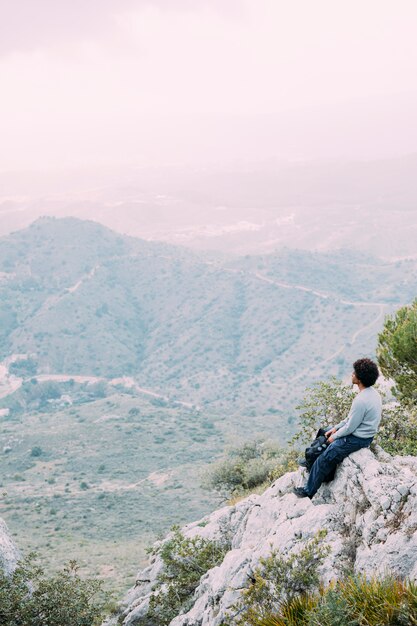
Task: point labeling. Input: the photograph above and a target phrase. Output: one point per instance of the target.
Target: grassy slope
(107, 480)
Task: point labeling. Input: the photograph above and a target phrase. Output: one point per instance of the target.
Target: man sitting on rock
(353, 433)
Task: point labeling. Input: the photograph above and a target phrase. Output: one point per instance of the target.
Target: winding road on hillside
(319, 294)
(9, 384)
(381, 308)
(325, 296)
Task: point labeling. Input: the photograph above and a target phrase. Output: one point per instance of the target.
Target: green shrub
(98, 389)
(287, 463)
(398, 430)
(185, 562)
(30, 598)
(245, 468)
(296, 612)
(278, 580)
(326, 403)
(353, 601)
(23, 367)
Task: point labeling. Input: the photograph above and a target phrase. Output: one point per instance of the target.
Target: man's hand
(330, 432)
(330, 439)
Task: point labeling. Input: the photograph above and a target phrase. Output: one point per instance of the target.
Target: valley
(128, 366)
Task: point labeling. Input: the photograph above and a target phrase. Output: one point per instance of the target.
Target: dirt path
(87, 276)
(319, 294)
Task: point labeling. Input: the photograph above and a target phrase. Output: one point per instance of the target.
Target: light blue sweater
(364, 416)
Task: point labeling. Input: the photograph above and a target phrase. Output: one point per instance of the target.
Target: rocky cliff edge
(8, 551)
(369, 512)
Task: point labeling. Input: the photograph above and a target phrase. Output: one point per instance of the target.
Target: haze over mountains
(237, 208)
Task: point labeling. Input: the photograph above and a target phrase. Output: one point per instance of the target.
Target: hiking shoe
(302, 462)
(300, 492)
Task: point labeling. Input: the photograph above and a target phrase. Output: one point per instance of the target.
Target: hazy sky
(91, 82)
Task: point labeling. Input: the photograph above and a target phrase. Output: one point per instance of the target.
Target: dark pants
(325, 465)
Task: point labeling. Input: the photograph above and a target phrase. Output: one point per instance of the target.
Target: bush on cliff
(353, 601)
(244, 468)
(398, 431)
(186, 560)
(30, 598)
(277, 580)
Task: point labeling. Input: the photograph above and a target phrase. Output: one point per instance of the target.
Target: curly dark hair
(367, 371)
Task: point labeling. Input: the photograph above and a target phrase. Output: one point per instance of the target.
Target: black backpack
(316, 448)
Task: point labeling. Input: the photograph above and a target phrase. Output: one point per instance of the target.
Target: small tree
(23, 367)
(185, 560)
(324, 404)
(398, 431)
(30, 598)
(397, 352)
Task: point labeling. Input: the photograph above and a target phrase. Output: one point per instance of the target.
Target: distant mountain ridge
(243, 207)
(83, 300)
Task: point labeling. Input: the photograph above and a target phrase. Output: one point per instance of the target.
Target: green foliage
(397, 351)
(325, 404)
(23, 367)
(397, 357)
(398, 430)
(98, 389)
(30, 598)
(36, 451)
(280, 580)
(294, 612)
(245, 468)
(185, 562)
(33, 395)
(288, 463)
(353, 601)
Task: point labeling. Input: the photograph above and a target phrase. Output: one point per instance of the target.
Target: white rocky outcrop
(8, 551)
(369, 512)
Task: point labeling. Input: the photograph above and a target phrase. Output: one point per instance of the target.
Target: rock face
(8, 551)
(369, 512)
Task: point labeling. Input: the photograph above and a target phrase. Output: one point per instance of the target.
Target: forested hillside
(82, 300)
